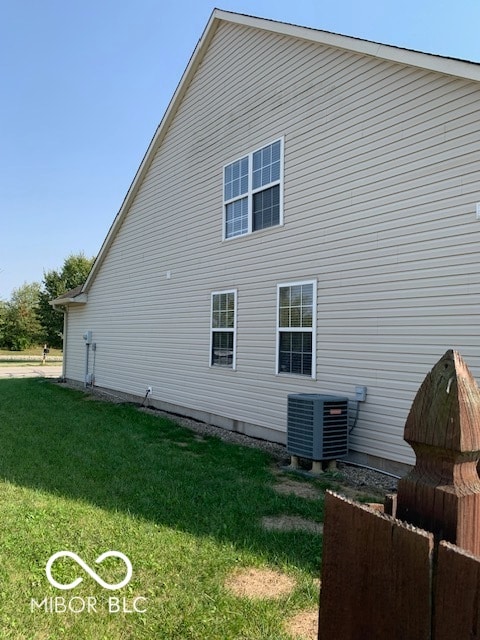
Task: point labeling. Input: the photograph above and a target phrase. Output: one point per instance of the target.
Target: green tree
(20, 324)
(74, 272)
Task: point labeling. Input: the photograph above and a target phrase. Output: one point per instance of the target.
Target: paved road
(30, 371)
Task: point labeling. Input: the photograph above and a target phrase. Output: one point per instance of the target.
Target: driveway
(30, 371)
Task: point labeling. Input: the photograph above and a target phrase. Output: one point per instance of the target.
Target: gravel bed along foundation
(363, 479)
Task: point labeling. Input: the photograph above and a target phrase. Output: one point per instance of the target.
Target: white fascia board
(62, 302)
(428, 61)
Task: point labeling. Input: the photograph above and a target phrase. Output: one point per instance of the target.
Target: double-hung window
(252, 191)
(223, 329)
(296, 328)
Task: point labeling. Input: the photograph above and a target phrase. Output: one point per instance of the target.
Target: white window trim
(251, 191)
(313, 329)
(224, 329)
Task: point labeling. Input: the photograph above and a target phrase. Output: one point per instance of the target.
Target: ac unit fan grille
(317, 426)
(300, 432)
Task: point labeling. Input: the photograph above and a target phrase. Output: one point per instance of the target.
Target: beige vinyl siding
(380, 184)
(74, 357)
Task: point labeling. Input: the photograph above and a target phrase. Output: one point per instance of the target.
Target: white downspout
(86, 363)
(65, 330)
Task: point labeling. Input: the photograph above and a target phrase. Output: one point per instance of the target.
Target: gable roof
(440, 64)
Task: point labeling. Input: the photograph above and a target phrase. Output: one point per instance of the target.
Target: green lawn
(88, 476)
(36, 350)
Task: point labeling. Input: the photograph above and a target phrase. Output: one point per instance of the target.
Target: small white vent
(317, 426)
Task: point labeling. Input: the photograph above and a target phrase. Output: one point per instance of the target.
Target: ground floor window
(223, 329)
(296, 304)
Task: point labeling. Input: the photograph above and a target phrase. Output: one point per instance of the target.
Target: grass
(87, 476)
(36, 350)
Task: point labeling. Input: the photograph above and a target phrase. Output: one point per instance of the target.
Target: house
(305, 220)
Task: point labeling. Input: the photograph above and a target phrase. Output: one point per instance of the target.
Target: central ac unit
(317, 426)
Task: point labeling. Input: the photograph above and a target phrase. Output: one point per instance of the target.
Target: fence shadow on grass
(119, 458)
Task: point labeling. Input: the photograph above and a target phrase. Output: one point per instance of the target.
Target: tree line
(28, 319)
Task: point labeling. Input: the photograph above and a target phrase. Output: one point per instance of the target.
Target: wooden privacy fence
(412, 571)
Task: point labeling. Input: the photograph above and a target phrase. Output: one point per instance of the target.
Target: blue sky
(84, 84)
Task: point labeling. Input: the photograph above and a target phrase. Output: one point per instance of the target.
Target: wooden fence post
(384, 578)
(442, 492)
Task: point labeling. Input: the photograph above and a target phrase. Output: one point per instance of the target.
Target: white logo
(87, 569)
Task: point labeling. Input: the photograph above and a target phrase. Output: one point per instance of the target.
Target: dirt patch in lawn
(288, 486)
(259, 583)
(304, 625)
(291, 523)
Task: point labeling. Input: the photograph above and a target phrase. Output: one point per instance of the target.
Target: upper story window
(252, 191)
(223, 329)
(296, 309)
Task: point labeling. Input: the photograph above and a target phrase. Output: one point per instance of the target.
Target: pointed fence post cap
(446, 410)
